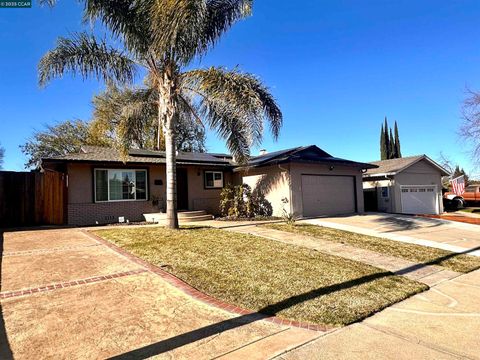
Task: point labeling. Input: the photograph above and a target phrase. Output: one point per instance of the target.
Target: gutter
(380, 175)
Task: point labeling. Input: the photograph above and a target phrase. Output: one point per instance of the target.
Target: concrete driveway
(65, 295)
(442, 234)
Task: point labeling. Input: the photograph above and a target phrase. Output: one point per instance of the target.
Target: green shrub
(240, 202)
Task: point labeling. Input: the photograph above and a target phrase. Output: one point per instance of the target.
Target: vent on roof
(263, 152)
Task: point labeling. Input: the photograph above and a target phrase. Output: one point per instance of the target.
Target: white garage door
(419, 199)
(328, 195)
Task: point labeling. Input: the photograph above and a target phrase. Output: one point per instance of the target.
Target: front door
(182, 189)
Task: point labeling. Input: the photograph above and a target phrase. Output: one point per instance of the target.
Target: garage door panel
(419, 200)
(328, 195)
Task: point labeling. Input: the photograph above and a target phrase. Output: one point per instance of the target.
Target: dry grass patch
(421, 254)
(267, 276)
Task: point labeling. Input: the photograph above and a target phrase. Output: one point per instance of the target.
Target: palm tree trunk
(167, 111)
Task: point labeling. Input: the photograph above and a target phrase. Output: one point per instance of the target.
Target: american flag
(458, 185)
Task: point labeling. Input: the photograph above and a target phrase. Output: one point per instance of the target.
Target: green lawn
(417, 253)
(267, 276)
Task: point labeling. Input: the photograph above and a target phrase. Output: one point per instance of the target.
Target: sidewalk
(442, 323)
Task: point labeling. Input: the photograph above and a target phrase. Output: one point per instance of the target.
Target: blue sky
(336, 67)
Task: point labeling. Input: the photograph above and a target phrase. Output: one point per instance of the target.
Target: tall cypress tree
(398, 151)
(387, 139)
(391, 146)
(383, 153)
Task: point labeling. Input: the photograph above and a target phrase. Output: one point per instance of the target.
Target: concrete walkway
(442, 323)
(65, 295)
(428, 274)
(441, 234)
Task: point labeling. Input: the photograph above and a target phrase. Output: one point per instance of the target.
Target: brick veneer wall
(105, 213)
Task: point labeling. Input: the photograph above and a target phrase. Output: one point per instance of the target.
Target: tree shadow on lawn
(5, 350)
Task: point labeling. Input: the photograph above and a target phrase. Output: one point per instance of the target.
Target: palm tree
(163, 37)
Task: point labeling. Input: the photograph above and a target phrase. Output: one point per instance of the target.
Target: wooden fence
(32, 198)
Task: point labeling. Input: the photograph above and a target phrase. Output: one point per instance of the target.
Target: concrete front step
(183, 217)
(191, 214)
(195, 218)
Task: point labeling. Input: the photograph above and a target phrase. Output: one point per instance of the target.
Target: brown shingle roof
(310, 153)
(394, 166)
(105, 154)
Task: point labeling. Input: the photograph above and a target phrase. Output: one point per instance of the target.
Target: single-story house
(305, 181)
(409, 185)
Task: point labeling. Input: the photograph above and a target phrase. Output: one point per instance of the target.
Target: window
(120, 185)
(213, 179)
(384, 192)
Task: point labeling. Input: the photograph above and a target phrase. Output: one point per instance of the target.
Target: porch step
(191, 214)
(195, 218)
(183, 216)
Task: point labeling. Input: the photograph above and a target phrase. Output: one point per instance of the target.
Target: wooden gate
(32, 198)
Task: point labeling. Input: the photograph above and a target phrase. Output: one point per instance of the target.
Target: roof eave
(303, 161)
(180, 162)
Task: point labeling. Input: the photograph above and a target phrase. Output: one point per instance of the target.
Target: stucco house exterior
(409, 185)
(305, 181)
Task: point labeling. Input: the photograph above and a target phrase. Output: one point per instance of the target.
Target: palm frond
(184, 29)
(234, 101)
(86, 55)
(221, 15)
(126, 19)
(177, 27)
(49, 3)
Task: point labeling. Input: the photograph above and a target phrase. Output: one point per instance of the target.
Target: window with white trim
(213, 179)
(120, 185)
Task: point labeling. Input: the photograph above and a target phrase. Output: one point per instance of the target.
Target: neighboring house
(305, 181)
(409, 185)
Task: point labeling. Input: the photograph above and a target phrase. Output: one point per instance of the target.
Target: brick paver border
(62, 285)
(198, 295)
(457, 218)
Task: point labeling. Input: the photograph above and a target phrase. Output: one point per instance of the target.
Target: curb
(198, 295)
